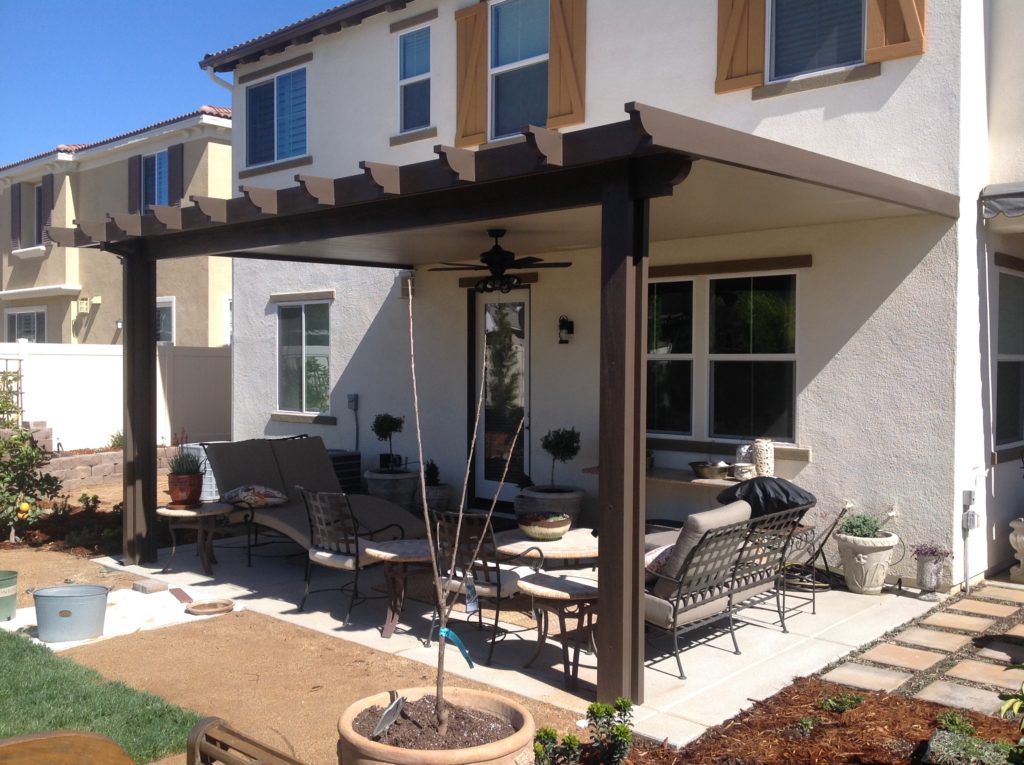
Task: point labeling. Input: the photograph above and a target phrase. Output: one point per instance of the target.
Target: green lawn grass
(40, 691)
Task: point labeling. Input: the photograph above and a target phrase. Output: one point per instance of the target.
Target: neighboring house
(55, 294)
(804, 177)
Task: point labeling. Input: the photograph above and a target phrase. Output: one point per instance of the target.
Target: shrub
(23, 484)
(841, 702)
(431, 474)
(948, 748)
(807, 724)
(610, 738)
(384, 427)
(861, 525)
(562, 444)
(89, 504)
(955, 721)
(184, 462)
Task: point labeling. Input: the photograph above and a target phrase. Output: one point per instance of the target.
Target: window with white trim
(27, 323)
(806, 36)
(303, 357)
(1010, 361)
(745, 373)
(165, 320)
(155, 181)
(414, 79)
(518, 59)
(40, 217)
(275, 116)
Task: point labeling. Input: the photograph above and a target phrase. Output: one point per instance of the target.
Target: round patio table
(575, 544)
(202, 518)
(397, 555)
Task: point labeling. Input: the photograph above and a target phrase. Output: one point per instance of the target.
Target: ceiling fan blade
(561, 264)
(459, 268)
(526, 262)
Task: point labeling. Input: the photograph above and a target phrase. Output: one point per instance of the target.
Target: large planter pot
(185, 489)
(866, 561)
(517, 749)
(399, 488)
(536, 500)
(439, 498)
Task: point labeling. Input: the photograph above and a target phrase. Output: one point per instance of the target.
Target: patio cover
(616, 168)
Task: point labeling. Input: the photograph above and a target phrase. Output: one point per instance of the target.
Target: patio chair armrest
(370, 532)
(535, 563)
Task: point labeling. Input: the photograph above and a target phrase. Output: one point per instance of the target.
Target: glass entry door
(503, 335)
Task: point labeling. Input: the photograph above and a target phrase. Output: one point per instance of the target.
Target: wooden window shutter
(48, 197)
(895, 29)
(135, 184)
(567, 63)
(740, 45)
(175, 173)
(471, 68)
(15, 216)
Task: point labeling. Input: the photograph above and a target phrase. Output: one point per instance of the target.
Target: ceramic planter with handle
(866, 560)
(185, 489)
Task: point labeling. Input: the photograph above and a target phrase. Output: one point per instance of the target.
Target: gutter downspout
(218, 80)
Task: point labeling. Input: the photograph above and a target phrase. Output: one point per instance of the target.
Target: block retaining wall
(82, 471)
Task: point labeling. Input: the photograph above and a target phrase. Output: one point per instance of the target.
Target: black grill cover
(767, 495)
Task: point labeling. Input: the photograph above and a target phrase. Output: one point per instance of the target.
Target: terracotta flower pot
(517, 749)
(866, 561)
(185, 489)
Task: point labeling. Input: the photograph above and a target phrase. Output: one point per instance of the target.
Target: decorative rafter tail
(387, 177)
(461, 162)
(546, 144)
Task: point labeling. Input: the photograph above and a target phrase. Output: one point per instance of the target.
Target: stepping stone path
(927, 648)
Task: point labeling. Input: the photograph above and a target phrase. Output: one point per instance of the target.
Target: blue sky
(77, 71)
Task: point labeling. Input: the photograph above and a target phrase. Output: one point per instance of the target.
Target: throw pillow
(253, 495)
(654, 561)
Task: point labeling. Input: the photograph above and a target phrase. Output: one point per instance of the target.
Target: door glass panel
(505, 397)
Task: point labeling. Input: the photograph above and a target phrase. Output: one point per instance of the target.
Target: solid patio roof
(593, 187)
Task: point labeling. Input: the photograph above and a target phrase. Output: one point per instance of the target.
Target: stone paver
(989, 674)
(868, 678)
(1003, 650)
(963, 696)
(901, 656)
(1016, 631)
(958, 622)
(1001, 593)
(984, 607)
(942, 641)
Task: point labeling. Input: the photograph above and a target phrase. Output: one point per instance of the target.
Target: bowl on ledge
(710, 469)
(545, 527)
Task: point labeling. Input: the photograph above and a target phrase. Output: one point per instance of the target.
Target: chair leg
(494, 635)
(679, 662)
(309, 571)
(174, 547)
(780, 602)
(248, 542)
(732, 634)
(352, 599)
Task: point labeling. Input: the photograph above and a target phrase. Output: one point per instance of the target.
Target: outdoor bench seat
(284, 464)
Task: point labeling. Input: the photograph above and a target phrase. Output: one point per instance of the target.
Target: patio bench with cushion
(283, 465)
(719, 561)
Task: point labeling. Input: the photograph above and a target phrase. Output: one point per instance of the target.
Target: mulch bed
(416, 726)
(885, 729)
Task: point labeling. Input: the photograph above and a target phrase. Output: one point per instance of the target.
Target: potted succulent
(185, 479)
(930, 559)
(561, 445)
(438, 494)
(392, 482)
(865, 551)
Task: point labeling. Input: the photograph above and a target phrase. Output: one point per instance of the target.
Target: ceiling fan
(498, 260)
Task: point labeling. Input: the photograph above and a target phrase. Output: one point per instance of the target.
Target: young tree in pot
(865, 551)
(562, 444)
(391, 482)
(185, 479)
(438, 494)
(384, 427)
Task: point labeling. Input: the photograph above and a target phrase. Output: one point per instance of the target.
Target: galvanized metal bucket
(70, 612)
(8, 594)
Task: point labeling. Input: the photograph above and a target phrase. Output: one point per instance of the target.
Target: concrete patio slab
(963, 696)
(867, 678)
(942, 641)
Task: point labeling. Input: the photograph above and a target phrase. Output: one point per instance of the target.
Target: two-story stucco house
(734, 219)
(55, 294)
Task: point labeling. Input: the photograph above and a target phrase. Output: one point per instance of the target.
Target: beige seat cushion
(693, 529)
(289, 519)
(658, 611)
(342, 561)
(509, 583)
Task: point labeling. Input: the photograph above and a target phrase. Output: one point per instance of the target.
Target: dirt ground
(38, 567)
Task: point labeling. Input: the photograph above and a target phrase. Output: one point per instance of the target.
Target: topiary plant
(431, 474)
(861, 525)
(384, 427)
(562, 444)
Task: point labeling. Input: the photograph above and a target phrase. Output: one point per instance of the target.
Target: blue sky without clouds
(77, 71)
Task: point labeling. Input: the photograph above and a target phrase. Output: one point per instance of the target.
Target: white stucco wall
(1005, 19)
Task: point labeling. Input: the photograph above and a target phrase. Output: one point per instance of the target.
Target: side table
(202, 518)
(397, 555)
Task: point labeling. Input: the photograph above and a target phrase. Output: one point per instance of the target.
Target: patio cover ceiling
(402, 216)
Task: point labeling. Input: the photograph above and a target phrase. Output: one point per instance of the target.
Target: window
(303, 357)
(154, 181)
(1010, 361)
(814, 35)
(165, 320)
(745, 375)
(518, 65)
(276, 118)
(40, 216)
(414, 79)
(26, 324)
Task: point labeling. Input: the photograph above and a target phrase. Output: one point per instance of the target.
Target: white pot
(399, 488)
(550, 499)
(866, 561)
(929, 573)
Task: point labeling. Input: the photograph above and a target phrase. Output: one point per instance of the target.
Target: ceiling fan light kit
(498, 260)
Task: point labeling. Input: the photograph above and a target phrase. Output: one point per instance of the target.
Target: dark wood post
(139, 520)
(621, 493)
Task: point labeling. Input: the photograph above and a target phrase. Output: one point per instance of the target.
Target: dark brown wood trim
(286, 164)
(304, 419)
(470, 388)
(412, 136)
(1005, 454)
(468, 282)
(783, 452)
(266, 71)
(773, 89)
(781, 263)
(15, 192)
(1011, 262)
(413, 21)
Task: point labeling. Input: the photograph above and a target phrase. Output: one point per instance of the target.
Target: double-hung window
(414, 79)
(518, 65)
(26, 324)
(155, 180)
(276, 118)
(1010, 361)
(303, 357)
(741, 382)
(814, 35)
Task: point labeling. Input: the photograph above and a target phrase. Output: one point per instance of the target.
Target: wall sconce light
(118, 325)
(566, 329)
